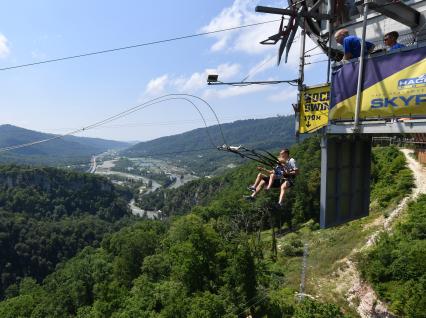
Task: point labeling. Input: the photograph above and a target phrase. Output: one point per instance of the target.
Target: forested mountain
(215, 261)
(64, 150)
(390, 182)
(227, 190)
(48, 215)
(189, 148)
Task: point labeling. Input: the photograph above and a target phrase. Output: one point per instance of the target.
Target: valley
(213, 159)
(145, 175)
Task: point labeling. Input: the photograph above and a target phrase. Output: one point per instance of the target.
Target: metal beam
(361, 69)
(379, 127)
(295, 81)
(345, 178)
(323, 191)
(293, 13)
(397, 10)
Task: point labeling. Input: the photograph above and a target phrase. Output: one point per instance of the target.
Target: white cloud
(227, 71)
(192, 83)
(245, 40)
(232, 91)
(196, 82)
(157, 85)
(288, 94)
(4, 48)
(266, 63)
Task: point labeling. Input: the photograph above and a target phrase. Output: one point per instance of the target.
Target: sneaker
(251, 188)
(249, 198)
(279, 205)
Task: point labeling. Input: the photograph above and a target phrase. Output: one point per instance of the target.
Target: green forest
(213, 256)
(396, 266)
(47, 215)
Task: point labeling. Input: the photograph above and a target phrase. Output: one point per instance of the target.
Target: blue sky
(59, 97)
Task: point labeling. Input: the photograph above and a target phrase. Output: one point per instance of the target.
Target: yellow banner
(314, 108)
(395, 86)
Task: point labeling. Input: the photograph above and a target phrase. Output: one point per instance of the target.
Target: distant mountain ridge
(268, 133)
(66, 149)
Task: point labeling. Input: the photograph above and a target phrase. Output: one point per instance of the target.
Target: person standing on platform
(391, 40)
(351, 44)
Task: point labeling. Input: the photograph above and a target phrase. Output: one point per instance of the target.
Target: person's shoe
(251, 188)
(249, 198)
(279, 205)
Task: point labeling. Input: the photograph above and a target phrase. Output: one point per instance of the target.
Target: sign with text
(314, 108)
(394, 85)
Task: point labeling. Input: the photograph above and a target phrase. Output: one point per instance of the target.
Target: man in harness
(281, 176)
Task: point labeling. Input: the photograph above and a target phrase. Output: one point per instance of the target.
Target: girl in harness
(281, 176)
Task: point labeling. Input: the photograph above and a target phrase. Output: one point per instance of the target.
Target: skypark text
(398, 101)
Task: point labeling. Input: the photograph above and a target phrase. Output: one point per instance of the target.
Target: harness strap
(261, 156)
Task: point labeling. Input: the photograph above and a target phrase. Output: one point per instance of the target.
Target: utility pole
(303, 274)
(360, 71)
(301, 79)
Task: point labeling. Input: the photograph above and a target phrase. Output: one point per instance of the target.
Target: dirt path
(359, 293)
(419, 173)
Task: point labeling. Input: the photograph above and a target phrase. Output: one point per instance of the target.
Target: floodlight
(212, 78)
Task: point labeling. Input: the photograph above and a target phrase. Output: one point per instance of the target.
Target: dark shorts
(278, 182)
(290, 181)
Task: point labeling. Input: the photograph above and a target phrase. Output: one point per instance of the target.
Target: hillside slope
(333, 254)
(221, 260)
(268, 133)
(394, 260)
(47, 215)
(225, 193)
(67, 149)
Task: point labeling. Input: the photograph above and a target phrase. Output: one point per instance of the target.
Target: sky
(66, 95)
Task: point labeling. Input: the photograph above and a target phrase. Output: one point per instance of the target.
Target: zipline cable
(107, 120)
(173, 122)
(144, 44)
(262, 297)
(136, 45)
(261, 156)
(177, 152)
(257, 67)
(209, 106)
(127, 112)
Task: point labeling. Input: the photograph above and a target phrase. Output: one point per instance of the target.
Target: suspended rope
(261, 156)
(127, 112)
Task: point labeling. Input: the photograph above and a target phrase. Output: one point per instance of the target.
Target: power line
(315, 62)
(175, 152)
(212, 110)
(247, 306)
(315, 54)
(173, 122)
(136, 45)
(311, 49)
(257, 68)
(272, 82)
(127, 112)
